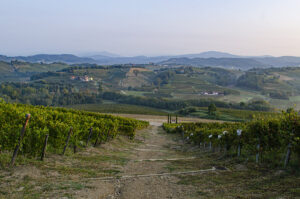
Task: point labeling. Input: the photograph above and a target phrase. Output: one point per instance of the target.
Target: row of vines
(57, 124)
(269, 139)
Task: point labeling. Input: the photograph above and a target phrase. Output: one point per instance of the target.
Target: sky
(150, 27)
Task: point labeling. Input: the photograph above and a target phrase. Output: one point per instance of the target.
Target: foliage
(43, 93)
(273, 134)
(212, 109)
(57, 122)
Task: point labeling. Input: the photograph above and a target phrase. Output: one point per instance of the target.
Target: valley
(276, 88)
(122, 145)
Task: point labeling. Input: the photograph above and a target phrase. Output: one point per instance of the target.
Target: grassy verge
(239, 179)
(63, 176)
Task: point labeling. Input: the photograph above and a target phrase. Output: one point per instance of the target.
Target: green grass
(119, 108)
(243, 179)
(136, 93)
(226, 114)
(62, 176)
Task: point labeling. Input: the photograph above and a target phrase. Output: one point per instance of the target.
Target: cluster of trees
(251, 80)
(46, 94)
(95, 66)
(279, 95)
(267, 82)
(164, 77)
(258, 105)
(58, 94)
(44, 75)
(144, 101)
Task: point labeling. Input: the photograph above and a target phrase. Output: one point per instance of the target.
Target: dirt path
(147, 174)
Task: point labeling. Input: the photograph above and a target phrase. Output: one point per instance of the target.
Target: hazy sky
(150, 27)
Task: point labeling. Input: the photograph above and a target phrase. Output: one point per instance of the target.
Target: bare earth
(150, 158)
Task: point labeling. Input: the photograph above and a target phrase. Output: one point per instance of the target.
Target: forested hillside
(62, 84)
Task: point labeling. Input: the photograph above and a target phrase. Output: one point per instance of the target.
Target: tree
(100, 89)
(212, 109)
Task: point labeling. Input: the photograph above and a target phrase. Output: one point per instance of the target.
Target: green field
(118, 108)
(226, 114)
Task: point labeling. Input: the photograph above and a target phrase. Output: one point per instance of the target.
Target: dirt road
(148, 173)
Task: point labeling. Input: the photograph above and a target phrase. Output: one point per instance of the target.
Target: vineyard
(264, 139)
(58, 128)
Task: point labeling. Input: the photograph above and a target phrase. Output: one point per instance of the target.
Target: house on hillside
(83, 78)
(210, 93)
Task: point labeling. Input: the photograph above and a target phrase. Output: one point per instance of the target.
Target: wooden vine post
(182, 135)
(75, 148)
(239, 133)
(288, 155)
(257, 154)
(210, 144)
(176, 119)
(45, 147)
(89, 137)
(96, 142)
(67, 141)
(13, 159)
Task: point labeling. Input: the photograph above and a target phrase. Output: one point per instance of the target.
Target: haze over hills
(237, 63)
(209, 58)
(210, 54)
(49, 58)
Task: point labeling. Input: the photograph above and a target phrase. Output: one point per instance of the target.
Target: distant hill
(47, 58)
(105, 53)
(237, 63)
(21, 71)
(209, 58)
(107, 59)
(280, 61)
(210, 54)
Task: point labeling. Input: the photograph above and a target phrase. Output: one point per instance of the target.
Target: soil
(150, 158)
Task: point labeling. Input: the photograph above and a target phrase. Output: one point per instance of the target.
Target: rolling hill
(209, 58)
(48, 58)
(232, 63)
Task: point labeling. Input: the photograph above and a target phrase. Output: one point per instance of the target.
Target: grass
(242, 179)
(244, 184)
(62, 176)
(226, 114)
(251, 182)
(119, 108)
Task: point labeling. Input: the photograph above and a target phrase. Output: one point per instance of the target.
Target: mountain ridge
(208, 58)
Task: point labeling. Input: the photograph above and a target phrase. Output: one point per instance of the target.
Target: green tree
(100, 89)
(212, 109)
